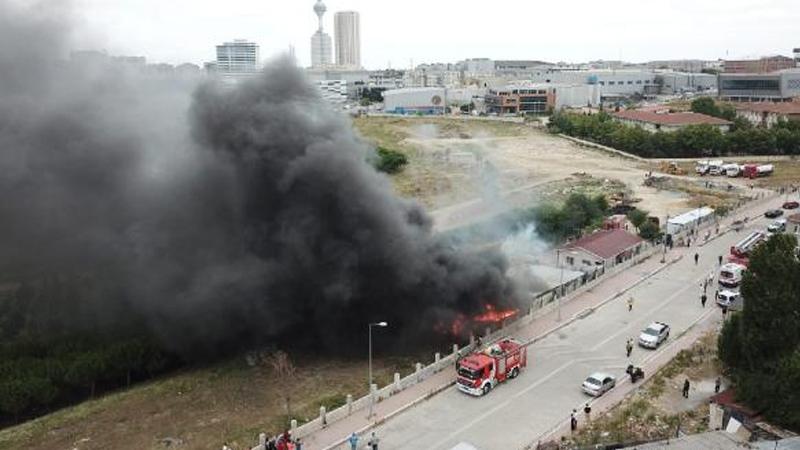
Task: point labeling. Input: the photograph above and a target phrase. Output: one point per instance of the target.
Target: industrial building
(680, 82)
(333, 91)
(666, 121)
(540, 98)
(429, 100)
(754, 87)
(767, 64)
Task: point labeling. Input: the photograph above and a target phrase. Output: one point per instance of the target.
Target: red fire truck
(482, 370)
(753, 171)
(743, 248)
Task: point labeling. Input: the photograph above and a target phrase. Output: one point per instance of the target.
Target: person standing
(628, 348)
(630, 303)
(686, 388)
(353, 440)
(717, 385)
(724, 312)
(225, 446)
(587, 411)
(373, 441)
(703, 299)
(573, 422)
(696, 258)
(719, 260)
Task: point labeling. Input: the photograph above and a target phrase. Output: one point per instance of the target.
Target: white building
(333, 91)
(237, 60)
(690, 220)
(321, 46)
(347, 30)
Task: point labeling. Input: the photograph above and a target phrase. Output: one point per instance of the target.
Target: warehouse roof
(681, 118)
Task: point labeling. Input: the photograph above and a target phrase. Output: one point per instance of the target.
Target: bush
(578, 213)
(390, 161)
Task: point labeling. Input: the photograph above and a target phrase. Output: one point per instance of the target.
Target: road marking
(508, 401)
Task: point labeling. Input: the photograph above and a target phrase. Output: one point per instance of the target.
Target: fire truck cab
(481, 371)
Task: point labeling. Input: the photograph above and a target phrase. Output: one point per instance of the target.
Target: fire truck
(482, 370)
(753, 171)
(743, 248)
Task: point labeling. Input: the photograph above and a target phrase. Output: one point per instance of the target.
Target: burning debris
(220, 219)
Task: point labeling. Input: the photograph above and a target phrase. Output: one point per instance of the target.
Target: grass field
(230, 402)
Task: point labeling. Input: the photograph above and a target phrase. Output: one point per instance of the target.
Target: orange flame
(493, 315)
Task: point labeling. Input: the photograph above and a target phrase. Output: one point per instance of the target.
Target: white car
(726, 298)
(654, 335)
(598, 384)
(779, 226)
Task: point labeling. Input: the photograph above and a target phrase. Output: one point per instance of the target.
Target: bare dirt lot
(468, 170)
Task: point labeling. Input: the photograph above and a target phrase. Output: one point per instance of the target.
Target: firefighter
(717, 385)
(719, 260)
(686, 388)
(573, 422)
(587, 411)
(628, 348)
(696, 258)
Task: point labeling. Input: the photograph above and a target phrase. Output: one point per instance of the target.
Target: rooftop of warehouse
(606, 243)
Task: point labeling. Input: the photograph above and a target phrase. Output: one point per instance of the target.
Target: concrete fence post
(418, 371)
(262, 441)
(322, 416)
(471, 339)
(436, 357)
(455, 349)
(349, 404)
(488, 331)
(293, 426)
(396, 382)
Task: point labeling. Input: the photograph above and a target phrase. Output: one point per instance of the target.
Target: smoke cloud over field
(214, 216)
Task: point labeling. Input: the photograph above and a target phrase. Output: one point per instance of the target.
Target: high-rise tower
(348, 39)
(321, 47)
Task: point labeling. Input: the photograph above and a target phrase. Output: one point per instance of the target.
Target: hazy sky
(398, 32)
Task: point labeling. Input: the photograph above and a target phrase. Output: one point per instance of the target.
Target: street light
(371, 398)
(560, 282)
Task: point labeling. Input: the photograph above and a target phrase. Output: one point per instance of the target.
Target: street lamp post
(560, 284)
(371, 398)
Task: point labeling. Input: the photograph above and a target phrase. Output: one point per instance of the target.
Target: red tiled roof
(794, 218)
(680, 118)
(771, 107)
(606, 243)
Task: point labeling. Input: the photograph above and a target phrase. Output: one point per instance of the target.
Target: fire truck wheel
(514, 372)
(487, 388)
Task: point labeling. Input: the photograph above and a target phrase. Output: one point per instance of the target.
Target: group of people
(372, 444)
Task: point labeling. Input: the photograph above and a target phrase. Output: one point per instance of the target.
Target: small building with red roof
(667, 121)
(601, 249)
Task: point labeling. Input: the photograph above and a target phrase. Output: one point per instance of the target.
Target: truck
(733, 170)
(716, 167)
(743, 248)
(754, 171)
(479, 372)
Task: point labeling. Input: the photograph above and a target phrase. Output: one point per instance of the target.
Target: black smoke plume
(215, 217)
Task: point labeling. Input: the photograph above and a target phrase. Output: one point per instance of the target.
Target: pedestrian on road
(298, 445)
(705, 285)
(353, 440)
(271, 444)
(373, 441)
(628, 348)
(703, 299)
(717, 384)
(719, 260)
(573, 423)
(686, 388)
(587, 410)
(696, 258)
(630, 303)
(716, 294)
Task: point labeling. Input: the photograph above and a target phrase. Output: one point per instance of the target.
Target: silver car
(598, 384)
(654, 335)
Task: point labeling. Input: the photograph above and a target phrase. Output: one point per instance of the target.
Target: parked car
(779, 226)
(598, 384)
(773, 213)
(726, 298)
(791, 205)
(654, 335)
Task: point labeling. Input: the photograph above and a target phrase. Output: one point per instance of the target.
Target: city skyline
(575, 31)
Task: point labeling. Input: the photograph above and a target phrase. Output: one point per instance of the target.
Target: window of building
(610, 83)
(602, 83)
(638, 81)
(630, 82)
(570, 260)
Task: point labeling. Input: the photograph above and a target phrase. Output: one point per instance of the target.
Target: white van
(730, 274)
(726, 298)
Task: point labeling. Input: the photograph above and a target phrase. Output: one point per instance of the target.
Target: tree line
(48, 359)
(760, 346)
(690, 141)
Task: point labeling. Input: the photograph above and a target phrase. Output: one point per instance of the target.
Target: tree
(284, 370)
(705, 105)
(389, 161)
(761, 346)
(649, 231)
(637, 217)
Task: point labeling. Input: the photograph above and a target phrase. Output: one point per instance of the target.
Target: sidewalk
(333, 436)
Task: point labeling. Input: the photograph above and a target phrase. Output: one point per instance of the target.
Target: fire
(493, 315)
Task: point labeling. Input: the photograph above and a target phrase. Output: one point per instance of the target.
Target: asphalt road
(519, 412)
